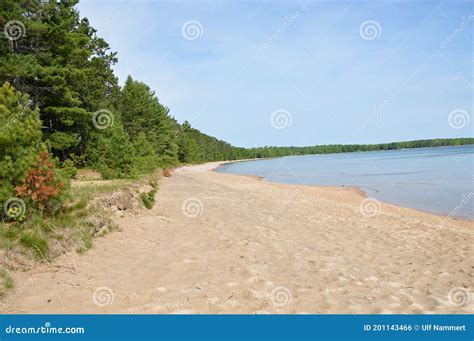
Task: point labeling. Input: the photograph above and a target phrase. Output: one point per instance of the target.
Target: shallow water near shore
(438, 180)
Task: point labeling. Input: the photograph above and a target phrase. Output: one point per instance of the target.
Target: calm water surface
(439, 180)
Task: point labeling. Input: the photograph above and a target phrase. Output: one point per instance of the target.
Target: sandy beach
(219, 243)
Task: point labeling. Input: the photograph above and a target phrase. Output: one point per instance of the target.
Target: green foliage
(6, 282)
(148, 198)
(74, 227)
(188, 148)
(146, 118)
(20, 139)
(61, 63)
(146, 159)
(197, 147)
(86, 238)
(35, 242)
(111, 152)
(67, 171)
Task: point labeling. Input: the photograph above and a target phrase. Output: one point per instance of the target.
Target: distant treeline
(60, 96)
(264, 152)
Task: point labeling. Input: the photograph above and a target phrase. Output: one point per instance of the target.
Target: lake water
(439, 180)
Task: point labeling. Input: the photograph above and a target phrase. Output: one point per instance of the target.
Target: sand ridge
(220, 243)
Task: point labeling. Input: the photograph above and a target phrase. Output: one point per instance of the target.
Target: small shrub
(110, 152)
(148, 199)
(68, 169)
(41, 184)
(167, 172)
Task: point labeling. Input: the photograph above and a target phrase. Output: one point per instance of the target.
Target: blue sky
(310, 62)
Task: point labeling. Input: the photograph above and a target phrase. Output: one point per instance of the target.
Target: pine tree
(146, 160)
(111, 152)
(188, 148)
(142, 112)
(20, 138)
(61, 64)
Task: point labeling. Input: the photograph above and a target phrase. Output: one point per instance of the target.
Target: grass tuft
(33, 241)
(6, 282)
(148, 199)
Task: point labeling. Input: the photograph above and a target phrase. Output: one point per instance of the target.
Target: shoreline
(358, 190)
(355, 189)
